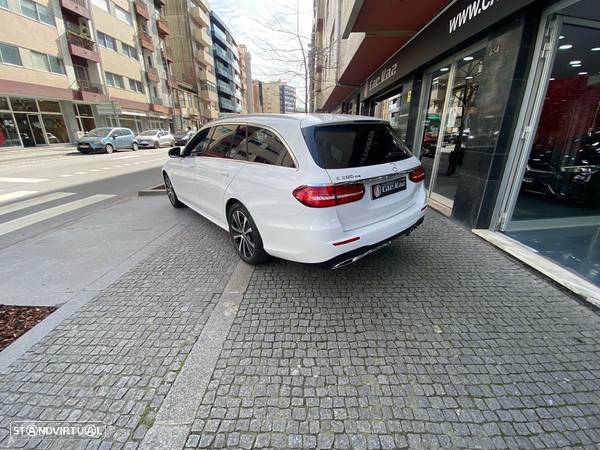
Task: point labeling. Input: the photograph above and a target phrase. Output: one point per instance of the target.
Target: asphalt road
(41, 191)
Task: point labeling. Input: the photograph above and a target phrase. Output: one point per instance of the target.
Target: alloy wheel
(170, 190)
(242, 234)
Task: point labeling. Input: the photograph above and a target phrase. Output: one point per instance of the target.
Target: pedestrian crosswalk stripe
(33, 202)
(21, 180)
(40, 216)
(14, 195)
(66, 175)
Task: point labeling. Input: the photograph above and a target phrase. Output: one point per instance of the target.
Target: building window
(136, 85)
(102, 4)
(37, 12)
(4, 4)
(122, 15)
(56, 65)
(9, 54)
(114, 80)
(129, 50)
(107, 41)
(56, 131)
(40, 61)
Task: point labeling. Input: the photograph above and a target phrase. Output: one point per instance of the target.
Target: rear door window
(220, 141)
(239, 147)
(351, 145)
(266, 148)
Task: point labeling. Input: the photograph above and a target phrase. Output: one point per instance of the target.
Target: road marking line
(94, 170)
(106, 168)
(21, 180)
(40, 216)
(13, 195)
(34, 201)
(130, 156)
(65, 175)
(80, 173)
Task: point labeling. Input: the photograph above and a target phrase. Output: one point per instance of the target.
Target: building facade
(499, 101)
(68, 66)
(227, 67)
(195, 90)
(246, 77)
(287, 98)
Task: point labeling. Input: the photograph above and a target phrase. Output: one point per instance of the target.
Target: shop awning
(388, 25)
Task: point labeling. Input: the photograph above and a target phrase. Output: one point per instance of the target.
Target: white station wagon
(312, 188)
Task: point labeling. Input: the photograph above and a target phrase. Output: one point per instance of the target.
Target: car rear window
(351, 145)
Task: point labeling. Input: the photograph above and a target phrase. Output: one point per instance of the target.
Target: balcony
(203, 58)
(225, 87)
(82, 47)
(225, 104)
(208, 95)
(202, 37)
(167, 54)
(162, 26)
(141, 9)
(77, 7)
(146, 41)
(152, 74)
(224, 71)
(90, 92)
(199, 16)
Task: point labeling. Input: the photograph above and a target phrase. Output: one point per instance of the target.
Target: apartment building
(195, 92)
(498, 100)
(287, 98)
(68, 66)
(227, 66)
(246, 79)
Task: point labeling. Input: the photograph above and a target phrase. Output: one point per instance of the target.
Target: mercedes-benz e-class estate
(312, 188)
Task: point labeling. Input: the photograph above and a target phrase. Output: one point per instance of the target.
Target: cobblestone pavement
(115, 358)
(436, 341)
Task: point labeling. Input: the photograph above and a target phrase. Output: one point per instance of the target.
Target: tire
(171, 193)
(108, 148)
(135, 146)
(156, 144)
(245, 236)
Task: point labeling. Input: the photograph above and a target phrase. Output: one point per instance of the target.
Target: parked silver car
(155, 139)
(107, 139)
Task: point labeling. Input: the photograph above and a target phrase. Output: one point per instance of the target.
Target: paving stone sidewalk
(437, 341)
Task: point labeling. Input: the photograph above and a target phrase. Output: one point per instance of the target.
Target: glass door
(450, 106)
(35, 125)
(555, 187)
(25, 130)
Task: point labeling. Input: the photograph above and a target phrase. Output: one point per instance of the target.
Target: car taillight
(417, 174)
(326, 196)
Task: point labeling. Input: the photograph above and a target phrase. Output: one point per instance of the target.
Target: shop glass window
(40, 61)
(266, 148)
(23, 104)
(9, 135)
(9, 54)
(56, 131)
(4, 103)
(49, 106)
(220, 141)
(56, 65)
(87, 124)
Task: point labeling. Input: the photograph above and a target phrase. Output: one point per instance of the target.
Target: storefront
(30, 122)
(506, 120)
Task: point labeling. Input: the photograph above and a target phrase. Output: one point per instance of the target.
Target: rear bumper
(359, 253)
(313, 242)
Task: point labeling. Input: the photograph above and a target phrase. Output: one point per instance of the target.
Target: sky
(269, 29)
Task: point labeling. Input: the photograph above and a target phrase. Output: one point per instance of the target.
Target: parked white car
(155, 138)
(312, 188)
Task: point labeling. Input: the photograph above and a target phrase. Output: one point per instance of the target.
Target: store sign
(462, 20)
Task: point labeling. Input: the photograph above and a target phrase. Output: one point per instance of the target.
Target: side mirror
(113, 136)
(175, 152)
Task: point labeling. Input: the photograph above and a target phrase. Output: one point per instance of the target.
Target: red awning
(388, 25)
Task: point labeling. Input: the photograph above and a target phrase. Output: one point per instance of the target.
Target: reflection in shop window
(23, 104)
(9, 135)
(56, 131)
